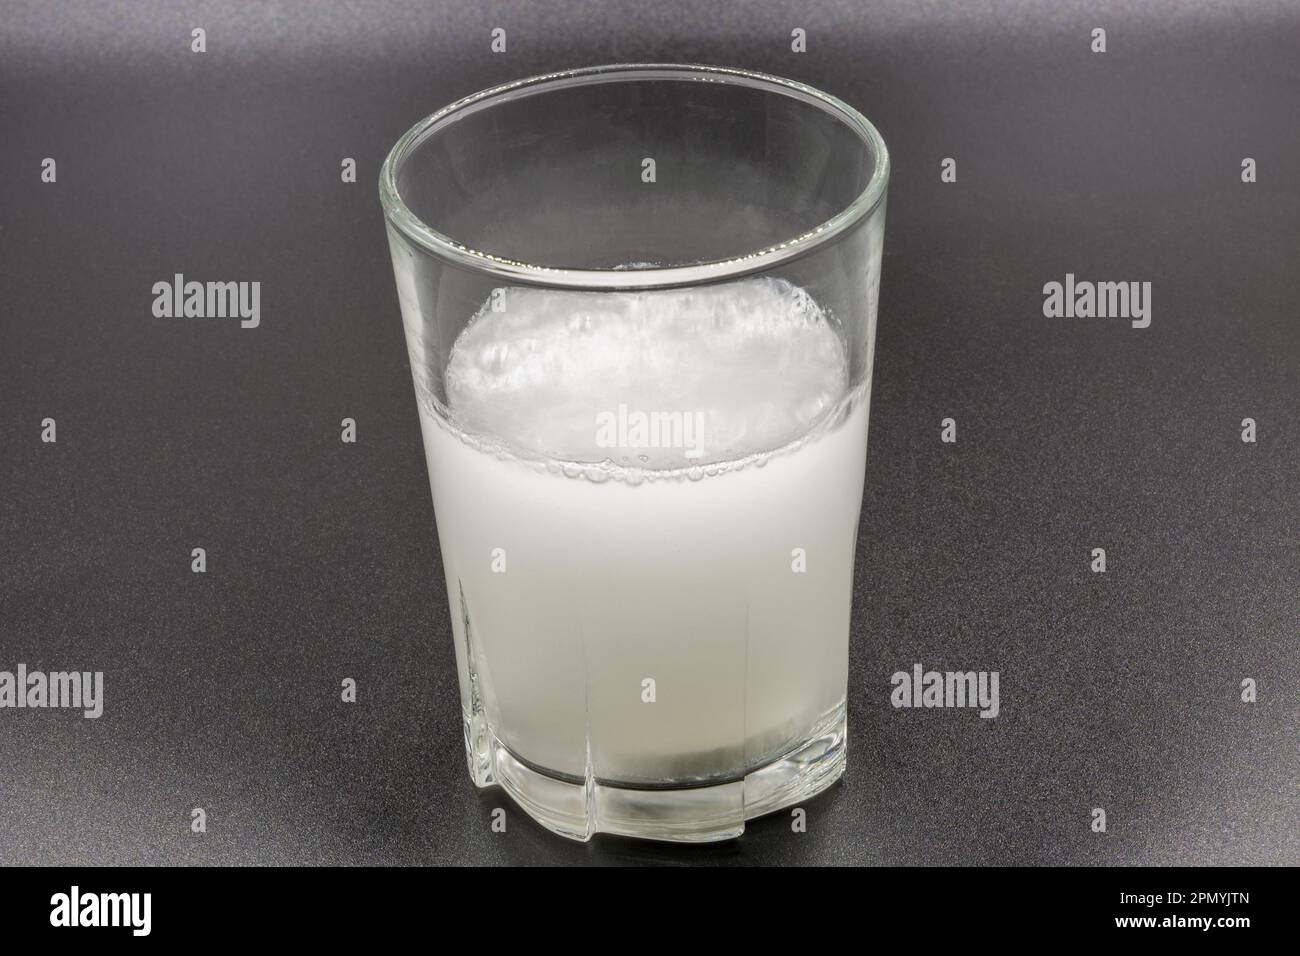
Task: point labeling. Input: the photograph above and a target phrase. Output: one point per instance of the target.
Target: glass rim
(445, 247)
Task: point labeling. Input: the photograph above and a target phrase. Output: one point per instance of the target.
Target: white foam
(758, 360)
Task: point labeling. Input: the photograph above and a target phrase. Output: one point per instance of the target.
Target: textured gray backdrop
(1118, 690)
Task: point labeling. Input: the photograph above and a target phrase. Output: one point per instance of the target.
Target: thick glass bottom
(579, 809)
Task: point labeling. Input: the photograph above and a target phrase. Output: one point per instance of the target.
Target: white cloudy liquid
(580, 572)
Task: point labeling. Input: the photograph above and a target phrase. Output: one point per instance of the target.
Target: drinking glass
(640, 307)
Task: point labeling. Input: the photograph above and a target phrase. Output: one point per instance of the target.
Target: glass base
(699, 814)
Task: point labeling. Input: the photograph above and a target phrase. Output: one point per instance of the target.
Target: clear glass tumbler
(640, 305)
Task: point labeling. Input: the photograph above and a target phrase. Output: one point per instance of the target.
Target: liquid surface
(657, 380)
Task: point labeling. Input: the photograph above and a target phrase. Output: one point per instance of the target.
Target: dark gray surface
(1118, 690)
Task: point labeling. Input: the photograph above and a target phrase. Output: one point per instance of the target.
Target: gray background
(1118, 690)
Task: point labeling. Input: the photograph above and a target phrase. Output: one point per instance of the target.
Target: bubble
(754, 359)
